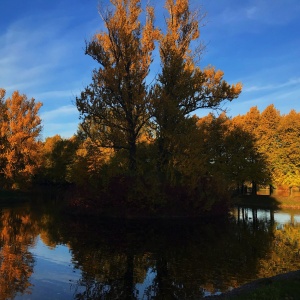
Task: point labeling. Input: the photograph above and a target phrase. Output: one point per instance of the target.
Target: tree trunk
(254, 188)
(132, 158)
(129, 278)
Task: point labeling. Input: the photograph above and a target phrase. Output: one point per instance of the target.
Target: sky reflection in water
(53, 273)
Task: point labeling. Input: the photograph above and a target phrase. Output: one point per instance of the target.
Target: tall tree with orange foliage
(267, 141)
(287, 154)
(117, 99)
(249, 122)
(20, 128)
(182, 86)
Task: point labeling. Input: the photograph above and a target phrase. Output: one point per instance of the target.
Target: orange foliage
(16, 263)
(19, 131)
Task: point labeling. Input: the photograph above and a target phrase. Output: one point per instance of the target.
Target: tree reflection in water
(148, 259)
(17, 233)
(184, 258)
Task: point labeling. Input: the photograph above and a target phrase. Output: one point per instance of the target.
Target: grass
(286, 286)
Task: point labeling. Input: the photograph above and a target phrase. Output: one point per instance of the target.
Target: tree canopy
(20, 127)
(119, 103)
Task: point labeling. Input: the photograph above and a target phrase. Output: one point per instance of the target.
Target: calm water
(47, 256)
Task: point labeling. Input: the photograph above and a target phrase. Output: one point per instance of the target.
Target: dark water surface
(44, 255)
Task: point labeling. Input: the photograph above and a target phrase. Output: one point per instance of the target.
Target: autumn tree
(88, 162)
(117, 99)
(287, 155)
(182, 86)
(231, 151)
(20, 129)
(121, 104)
(250, 124)
(57, 155)
(267, 136)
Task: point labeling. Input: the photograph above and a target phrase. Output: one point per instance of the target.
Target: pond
(45, 255)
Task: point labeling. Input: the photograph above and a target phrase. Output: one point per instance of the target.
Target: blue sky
(256, 42)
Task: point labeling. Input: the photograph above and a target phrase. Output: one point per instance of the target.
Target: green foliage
(231, 151)
(57, 155)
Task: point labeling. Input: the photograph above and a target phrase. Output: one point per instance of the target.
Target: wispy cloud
(43, 51)
(30, 54)
(291, 82)
(283, 99)
(61, 113)
(248, 16)
(64, 129)
(43, 57)
(251, 11)
(63, 120)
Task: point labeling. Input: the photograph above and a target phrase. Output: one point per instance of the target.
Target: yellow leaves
(127, 43)
(218, 76)
(97, 157)
(145, 137)
(125, 17)
(237, 88)
(219, 88)
(2, 94)
(213, 77)
(150, 34)
(181, 7)
(176, 9)
(182, 29)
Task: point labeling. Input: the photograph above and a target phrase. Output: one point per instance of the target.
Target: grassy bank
(271, 202)
(284, 286)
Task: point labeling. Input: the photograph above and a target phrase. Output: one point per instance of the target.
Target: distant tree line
(214, 158)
